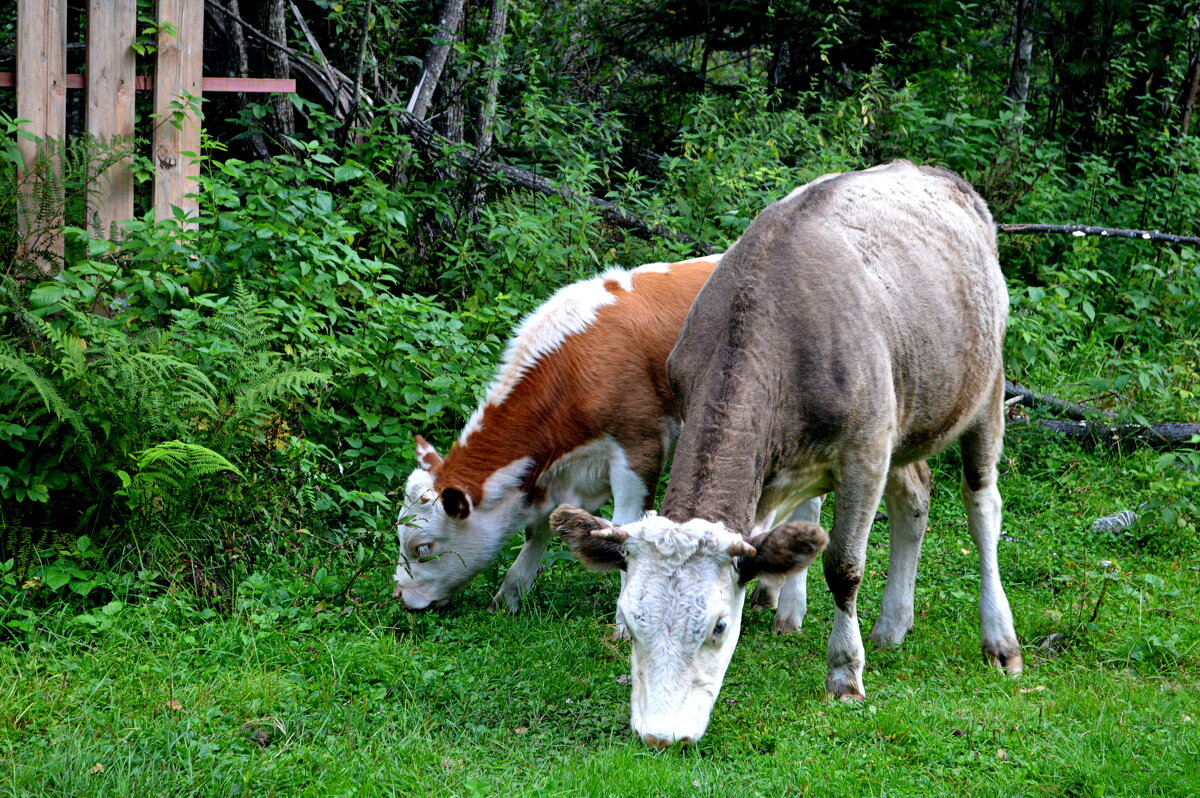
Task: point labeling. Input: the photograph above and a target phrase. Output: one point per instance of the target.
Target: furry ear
(788, 547)
(427, 456)
(594, 541)
(456, 503)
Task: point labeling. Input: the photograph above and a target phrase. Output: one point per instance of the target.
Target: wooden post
(112, 28)
(42, 99)
(178, 76)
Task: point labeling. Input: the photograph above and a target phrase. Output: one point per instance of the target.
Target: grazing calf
(579, 411)
(852, 332)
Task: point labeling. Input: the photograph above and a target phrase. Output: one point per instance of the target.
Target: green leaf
(56, 579)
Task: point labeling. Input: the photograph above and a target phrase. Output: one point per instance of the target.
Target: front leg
(524, 569)
(856, 497)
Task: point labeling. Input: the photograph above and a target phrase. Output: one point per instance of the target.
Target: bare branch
(1081, 230)
(1023, 396)
(428, 140)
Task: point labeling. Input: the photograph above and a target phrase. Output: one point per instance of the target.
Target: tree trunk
(497, 21)
(435, 59)
(1018, 81)
(241, 65)
(274, 19)
(355, 95)
(1190, 92)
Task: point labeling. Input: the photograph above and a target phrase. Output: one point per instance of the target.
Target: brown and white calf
(579, 411)
(854, 330)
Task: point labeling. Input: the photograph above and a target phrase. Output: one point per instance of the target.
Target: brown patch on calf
(609, 379)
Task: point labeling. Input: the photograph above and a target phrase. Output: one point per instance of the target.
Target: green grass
(284, 696)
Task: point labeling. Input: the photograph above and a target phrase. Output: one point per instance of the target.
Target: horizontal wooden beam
(146, 83)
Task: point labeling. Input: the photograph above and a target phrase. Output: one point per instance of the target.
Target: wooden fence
(110, 81)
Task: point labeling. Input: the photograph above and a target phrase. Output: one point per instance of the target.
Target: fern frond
(13, 364)
(265, 389)
(182, 461)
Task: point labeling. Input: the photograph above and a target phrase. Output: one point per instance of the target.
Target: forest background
(220, 416)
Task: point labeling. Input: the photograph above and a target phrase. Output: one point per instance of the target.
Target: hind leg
(980, 452)
(907, 495)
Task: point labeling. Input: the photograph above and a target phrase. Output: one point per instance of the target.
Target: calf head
(445, 538)
(682, 603)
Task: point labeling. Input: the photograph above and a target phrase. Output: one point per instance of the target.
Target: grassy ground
(284, 696)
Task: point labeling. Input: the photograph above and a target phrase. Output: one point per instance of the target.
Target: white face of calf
(445, 540)
(682, 603)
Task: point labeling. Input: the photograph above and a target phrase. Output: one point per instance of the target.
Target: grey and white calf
(852, 332)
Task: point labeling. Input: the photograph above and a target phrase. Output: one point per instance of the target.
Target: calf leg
(980, 452)
(632, 475)
(857, 491)
(907, 495)
(524, 569)
(766, 591)
(793, 594)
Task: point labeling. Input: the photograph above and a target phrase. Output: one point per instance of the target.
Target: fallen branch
(1023, 396)
(1081, 230)
(429, 140)
(1167, 435)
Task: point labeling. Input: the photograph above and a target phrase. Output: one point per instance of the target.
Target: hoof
(847, 697)
(764, 598)
(884, 636)
(787, 624)
(502, 602)
(1012, 664)
(844, 687)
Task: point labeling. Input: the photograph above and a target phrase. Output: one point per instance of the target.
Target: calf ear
(456, 503)
(578, 528)
(788, 547)
(427, 456)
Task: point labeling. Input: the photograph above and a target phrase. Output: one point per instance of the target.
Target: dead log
(1161, 436)
(1023, 396)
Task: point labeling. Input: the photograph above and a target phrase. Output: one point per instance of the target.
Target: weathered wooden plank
(42, 99)
(251, 85)
(210, 85)
(177, 88)
(112, 28)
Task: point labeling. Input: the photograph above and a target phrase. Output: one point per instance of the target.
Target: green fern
(168, 474)
(44, 389)
(185, 461)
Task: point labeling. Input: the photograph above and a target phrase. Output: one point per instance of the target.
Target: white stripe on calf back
(570, 311)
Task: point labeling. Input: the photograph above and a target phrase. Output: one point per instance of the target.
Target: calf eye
(719, 628)
(424, 550)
